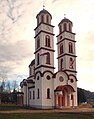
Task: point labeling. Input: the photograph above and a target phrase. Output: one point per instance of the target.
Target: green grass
(54, 115)
(9, 107)
(48, 116)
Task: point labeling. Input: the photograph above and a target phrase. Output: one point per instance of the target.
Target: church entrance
(64, 96)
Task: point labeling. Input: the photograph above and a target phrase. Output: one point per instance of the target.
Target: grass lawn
(53, 115)
(48, 116)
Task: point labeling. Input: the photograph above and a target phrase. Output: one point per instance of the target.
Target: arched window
(70, 47)
(60, 29)
(38, 78)
(65, 27)
(48, 93)
(71, 62)
(47, 41)
(38, 59)
(42, 18)
(33, 94)
(30, 70)
(38, 42)
(38, 94)
(61, 64)
(48, 58)
(61, 48)
(70, 28)
(37, 20)
(47, 19)
(29, 94)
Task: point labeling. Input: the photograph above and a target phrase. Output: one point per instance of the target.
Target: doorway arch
(64, 96)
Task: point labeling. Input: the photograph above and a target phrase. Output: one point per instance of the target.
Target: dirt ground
(73, 110)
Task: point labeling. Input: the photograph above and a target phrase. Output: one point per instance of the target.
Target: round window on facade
(48, 77)
(71, 80)
(61, 79)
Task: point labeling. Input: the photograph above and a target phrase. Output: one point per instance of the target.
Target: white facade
(45, 88)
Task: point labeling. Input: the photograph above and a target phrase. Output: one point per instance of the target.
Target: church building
(44, 88)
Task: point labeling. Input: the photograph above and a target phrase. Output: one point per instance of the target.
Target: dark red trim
(66, 39)
(44, 32)
(30, 76)
(54, 76)
(65, 31)
(72, 55)
(62, 87)
(73, 76)
(31, 87)
(69, 70)
(47, 71)
(37, 73)
(45, 24)
(44, 49)
(45, 67)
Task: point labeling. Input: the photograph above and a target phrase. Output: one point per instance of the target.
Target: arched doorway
(64, 96)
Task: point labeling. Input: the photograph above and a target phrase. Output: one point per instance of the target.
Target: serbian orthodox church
(45, 88)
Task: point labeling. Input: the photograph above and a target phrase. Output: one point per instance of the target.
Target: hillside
(85, 96)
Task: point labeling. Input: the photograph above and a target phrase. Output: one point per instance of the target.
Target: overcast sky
(17, 23)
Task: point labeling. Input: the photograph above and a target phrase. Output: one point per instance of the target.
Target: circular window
(48, 77)
(61, 79)
(71, 80)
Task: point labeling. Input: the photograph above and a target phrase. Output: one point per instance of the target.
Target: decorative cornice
(45, 67)
(72, 55)
(54, 76)
(44, 32)
(44, 49)
(45, 24)
(30, 76)
(68, 70)
(42, 74)
(31, 87)
(73, 76)
(65, 31)
(65, 39)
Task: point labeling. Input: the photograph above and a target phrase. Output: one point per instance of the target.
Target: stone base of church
(42, 107)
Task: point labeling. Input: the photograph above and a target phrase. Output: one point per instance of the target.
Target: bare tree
(3, 77)
(8, 86)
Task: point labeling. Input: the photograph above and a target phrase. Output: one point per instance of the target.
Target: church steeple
(44, 48)
(66, 46)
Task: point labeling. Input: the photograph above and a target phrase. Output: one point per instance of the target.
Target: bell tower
(44, 42)
(66, 47)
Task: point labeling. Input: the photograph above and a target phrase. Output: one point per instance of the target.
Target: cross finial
(43, 7)
(64, 16)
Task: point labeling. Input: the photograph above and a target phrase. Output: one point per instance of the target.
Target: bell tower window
(38, 21)
(47, 41)
(48, 58)
(61, 48)
(70, 47)
(47, 19)
(60, 29)
(70, 28)
(42, 18)
(38, 42)
(38, 59)
(65, 27)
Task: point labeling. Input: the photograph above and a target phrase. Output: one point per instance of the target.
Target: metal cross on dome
(64, 16)
(43, 6)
